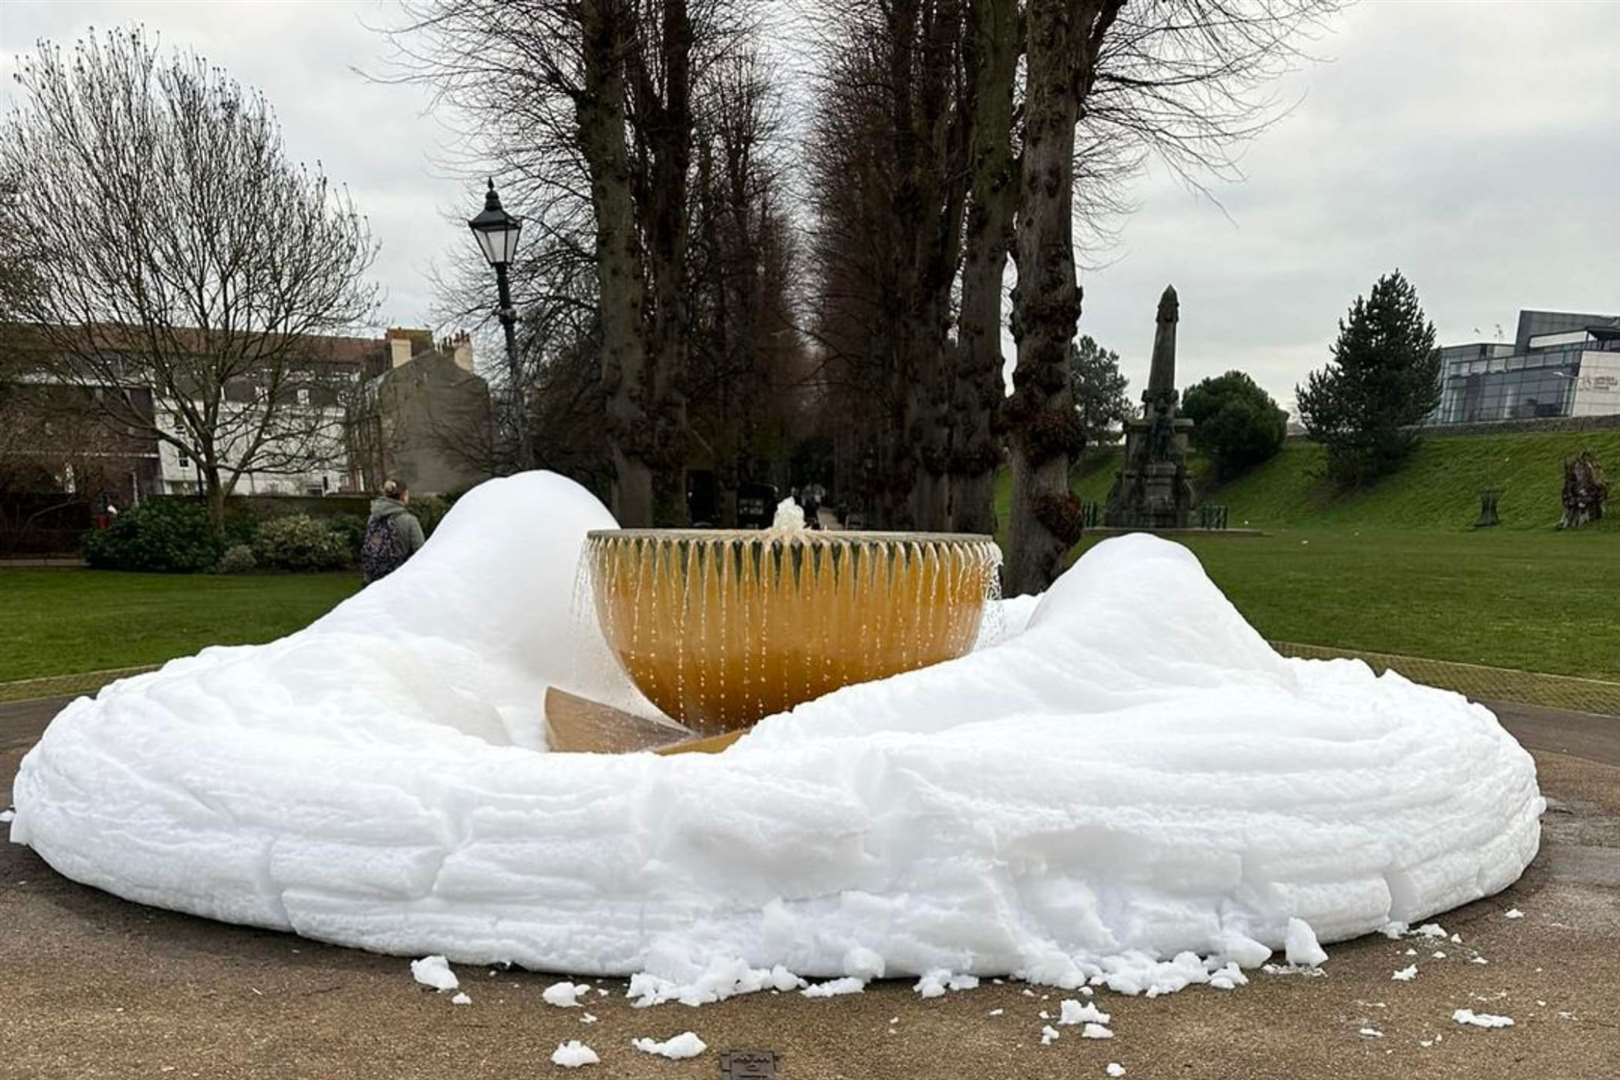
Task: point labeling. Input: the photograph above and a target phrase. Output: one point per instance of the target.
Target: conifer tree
(1384, 378)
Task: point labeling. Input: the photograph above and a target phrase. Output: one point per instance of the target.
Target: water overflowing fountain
(721, 628)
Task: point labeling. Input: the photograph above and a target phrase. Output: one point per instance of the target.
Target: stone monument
(1152, 490)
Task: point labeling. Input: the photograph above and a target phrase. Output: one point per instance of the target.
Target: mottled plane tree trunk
(600, 108)
(1063, 39)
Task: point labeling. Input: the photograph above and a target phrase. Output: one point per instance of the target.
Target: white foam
(564, 995)
(1301, 946)
(434, 971)
(1130, 788)
(573, 1053)
(1484, 1020)
(835, 987)
(1076, 1013)
(684, 1045)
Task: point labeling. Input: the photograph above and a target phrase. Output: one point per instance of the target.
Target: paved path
(93, 986)
(23, 722)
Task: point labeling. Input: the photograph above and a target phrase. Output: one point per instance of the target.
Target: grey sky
(1473, 145)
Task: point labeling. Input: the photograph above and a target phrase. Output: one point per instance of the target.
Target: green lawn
(1391, 569)
(60, 621)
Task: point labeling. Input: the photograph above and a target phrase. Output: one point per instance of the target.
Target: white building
(1560, 364)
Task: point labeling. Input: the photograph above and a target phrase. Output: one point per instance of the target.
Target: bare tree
(175, 249)
(746, 352)
(1107, 84)
(1063, 39)
(589, 104)
(888, 161)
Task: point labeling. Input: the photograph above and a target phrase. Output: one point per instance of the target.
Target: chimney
(399, 351)
(462, 353)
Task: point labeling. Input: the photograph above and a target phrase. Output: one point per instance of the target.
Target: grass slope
(1437, 488)
(58, 622)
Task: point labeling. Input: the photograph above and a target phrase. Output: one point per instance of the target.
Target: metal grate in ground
(1481, 683)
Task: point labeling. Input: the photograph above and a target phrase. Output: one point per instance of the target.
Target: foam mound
(1127, 785)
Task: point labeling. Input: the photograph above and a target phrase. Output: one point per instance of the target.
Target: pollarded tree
(1063, 39)
(1384, 378)
(1235, 423)
(175, 252)
(1106, 84)
(888, 164)
(1099, 391)
(588, 110)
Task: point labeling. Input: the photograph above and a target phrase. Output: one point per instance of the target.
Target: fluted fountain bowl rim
(803, 535)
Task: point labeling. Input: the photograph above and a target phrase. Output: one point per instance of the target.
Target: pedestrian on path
(392, 535)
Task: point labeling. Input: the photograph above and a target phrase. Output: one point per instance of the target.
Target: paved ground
(91, 986)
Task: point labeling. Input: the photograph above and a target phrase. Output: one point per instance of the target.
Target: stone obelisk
(1151, 490)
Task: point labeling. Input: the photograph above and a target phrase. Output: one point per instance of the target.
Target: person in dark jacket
(392, 534)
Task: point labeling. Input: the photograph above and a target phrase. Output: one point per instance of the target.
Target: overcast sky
(1474, 145)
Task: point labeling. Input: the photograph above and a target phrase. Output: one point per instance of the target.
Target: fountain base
(578, 725)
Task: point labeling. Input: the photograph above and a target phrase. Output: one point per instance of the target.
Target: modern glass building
(1559, 364)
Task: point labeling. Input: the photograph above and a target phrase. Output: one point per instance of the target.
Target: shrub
(159, 534)
(1235, 423)
(237, 559)
(299, 542)
(240, 529)
(351, 530)
(429, 511)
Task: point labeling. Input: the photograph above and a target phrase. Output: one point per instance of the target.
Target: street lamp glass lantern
(497, 231)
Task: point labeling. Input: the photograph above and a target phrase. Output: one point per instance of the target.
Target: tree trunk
(600, 113)
(992, 61)
(214, 492)
(671, 140)
(1046, 434)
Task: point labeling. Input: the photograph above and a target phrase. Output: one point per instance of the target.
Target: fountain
(1138, 794)
(721, 628)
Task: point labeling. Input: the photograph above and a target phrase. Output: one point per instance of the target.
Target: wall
(267, 506)
(1529, 426)
(428, 426)
(1597, 391)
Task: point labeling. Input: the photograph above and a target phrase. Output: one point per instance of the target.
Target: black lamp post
(497, 233)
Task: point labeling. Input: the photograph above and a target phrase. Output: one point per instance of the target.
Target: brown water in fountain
(722, 628)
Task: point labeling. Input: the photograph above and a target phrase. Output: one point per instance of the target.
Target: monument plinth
(1152, 489)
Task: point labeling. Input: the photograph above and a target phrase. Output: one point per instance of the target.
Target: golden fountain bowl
(721, 628)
